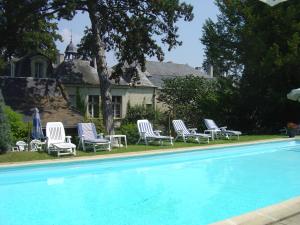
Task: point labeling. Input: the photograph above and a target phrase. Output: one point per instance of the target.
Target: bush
(19, 129)
(98, 124)
(131, 132)
(160, 120)
(138, 112)
(5, 131)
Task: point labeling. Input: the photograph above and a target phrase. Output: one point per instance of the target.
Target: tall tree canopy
(130, 28)
(26, 27)
(261, 45)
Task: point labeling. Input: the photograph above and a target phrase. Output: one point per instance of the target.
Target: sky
(190, 52)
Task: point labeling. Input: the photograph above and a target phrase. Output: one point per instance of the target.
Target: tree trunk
(102, 69)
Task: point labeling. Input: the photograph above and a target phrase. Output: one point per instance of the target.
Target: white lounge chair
(148, 134)
(216, 131)
(57, 141)
(88, 136)
(182, 131)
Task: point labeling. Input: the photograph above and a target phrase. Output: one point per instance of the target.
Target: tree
(5, 132)
(260, 45)
(194, 98)
(25, 27)
(130, 28)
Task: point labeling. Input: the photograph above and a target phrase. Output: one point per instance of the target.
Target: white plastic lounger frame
(88, 136)
(147, 134)
(219, 131)
(182, 131)
(57, 141)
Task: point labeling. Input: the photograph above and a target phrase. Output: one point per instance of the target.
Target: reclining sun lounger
(216, 131)
(147, 134)
(182, 131)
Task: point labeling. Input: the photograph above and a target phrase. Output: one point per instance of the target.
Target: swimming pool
(190, 188)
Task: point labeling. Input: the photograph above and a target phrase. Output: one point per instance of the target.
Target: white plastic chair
(147, 134)
(36, 145)
(182, 131)
(216, 131)
(88, 136)
(22, 146)
(57, 141)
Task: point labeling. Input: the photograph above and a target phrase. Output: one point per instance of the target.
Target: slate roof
(23, 94)
(168, 70)
(78, 72)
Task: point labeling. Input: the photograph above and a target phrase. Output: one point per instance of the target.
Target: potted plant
(292, 129)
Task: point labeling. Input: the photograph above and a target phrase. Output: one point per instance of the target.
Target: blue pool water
(191, 188)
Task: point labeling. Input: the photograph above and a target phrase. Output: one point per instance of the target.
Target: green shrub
(131, 132)
(138, 112)
(98, 123)
(5, 131)
(160, 120)
(19, 129)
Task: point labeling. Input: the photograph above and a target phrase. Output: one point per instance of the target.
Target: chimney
(211, 71)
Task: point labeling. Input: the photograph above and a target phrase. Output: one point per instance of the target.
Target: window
(117, 104)
(72, 100)
(149, 106)
(38, 69)
(93, 106)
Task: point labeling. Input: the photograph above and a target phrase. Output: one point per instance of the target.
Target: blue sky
(190, 52)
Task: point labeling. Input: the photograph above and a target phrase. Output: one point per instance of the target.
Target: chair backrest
(55, 132)
(179, 126)
(210, 124)
(144, 126)
(87, 131)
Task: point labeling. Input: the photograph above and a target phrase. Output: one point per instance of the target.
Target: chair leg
(176, 138)
(138, 141)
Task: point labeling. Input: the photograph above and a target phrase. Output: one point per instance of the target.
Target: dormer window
(39, 66)
(38, 70)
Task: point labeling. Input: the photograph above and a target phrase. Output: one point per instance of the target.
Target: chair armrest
(142, 133)
(193, 130)
(223, 127)
(180, 132)
(157, 132)
(68, 138)
(100, 135)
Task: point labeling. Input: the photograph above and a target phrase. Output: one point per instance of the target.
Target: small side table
(118, 137)
(212, 133)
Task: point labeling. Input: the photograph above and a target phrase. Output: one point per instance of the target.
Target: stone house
(77, 86)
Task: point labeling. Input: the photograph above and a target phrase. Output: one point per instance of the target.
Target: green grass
(31, 156)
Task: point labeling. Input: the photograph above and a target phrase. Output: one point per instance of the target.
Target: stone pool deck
(284, 213)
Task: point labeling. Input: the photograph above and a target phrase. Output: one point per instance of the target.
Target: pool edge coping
(135, 154)
(273, 214)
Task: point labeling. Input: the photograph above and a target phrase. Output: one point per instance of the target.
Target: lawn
(30, 156)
